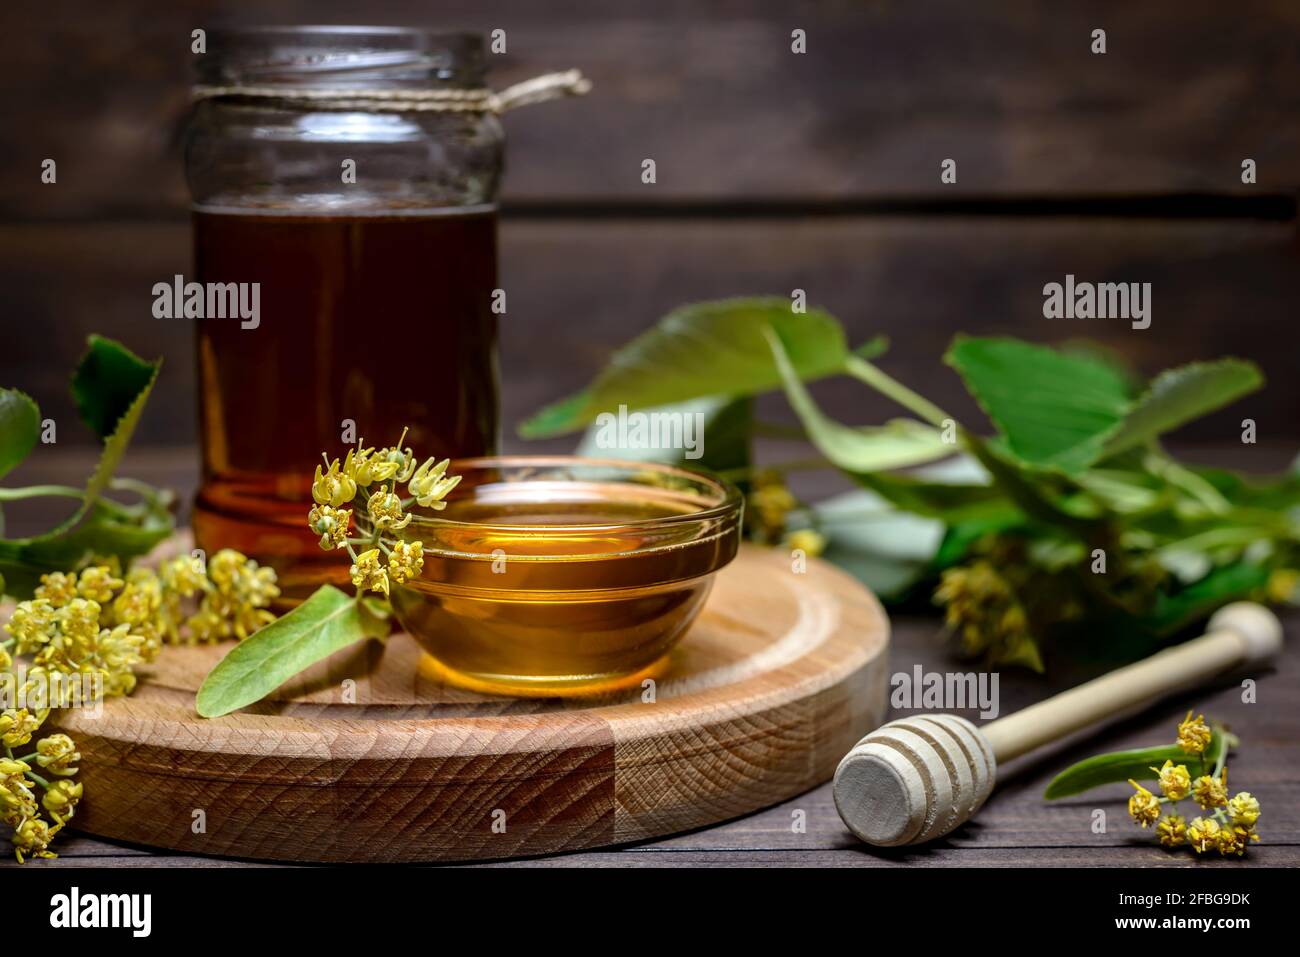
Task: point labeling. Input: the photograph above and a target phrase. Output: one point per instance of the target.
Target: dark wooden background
(775, 171)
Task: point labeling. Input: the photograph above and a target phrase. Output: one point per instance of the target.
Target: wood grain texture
(781, 673)
(714, 94)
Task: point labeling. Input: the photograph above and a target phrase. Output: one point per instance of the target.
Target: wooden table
(1016, 827)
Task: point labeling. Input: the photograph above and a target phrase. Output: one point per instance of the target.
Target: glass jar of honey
(345, 180)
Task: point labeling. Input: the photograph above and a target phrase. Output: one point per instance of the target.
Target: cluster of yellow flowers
(1228, 828)
(981, 607)
(767, 512)
(80, 637)
(380, 512)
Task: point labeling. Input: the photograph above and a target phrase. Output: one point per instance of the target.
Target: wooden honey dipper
(916, 779)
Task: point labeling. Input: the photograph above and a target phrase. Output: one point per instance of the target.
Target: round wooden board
(369, 758)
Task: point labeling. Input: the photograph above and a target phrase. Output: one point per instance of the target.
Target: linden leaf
(326, 622)
(701, 350)
(20, 427)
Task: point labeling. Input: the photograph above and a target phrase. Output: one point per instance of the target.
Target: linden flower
(1244, 809)
(184, 576)
(33, 837)
(57, 754)
(32, 624)
(333, 487)
(365, 467)
(139, 600)
(97, 584)
(1211, 792)
(385, 510)
(1203, 834)
(1172, 830)
(1233, 840)
(430, 484)
(1175, 782)
(809, 541)
(57, 588)
(401, 460)
(770, 503)
(407, 561)
(1143, 806)
(17, 725)
(17, 802)
(331, 524)
(368, 574)
(61, 799)
(1194, 736)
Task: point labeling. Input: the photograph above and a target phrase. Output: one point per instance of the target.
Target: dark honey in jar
(371, 237)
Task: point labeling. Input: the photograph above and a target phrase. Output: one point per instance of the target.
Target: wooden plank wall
(775, 171)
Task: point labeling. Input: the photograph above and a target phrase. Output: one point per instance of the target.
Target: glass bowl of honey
(557, 575)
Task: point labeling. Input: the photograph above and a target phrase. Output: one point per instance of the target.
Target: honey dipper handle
(1239, 634)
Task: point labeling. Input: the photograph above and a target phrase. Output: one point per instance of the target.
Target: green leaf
(898, 444)
(20, 427)
(326, 622)
(1068, 410)
(1123, 765)
(1189, 605)
(1052, 408)
(701, 350)
(887, 549)
(102, 532)
(725, 442)
(107, 383)
(1178, 396)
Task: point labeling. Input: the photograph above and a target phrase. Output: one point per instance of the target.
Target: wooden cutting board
(369, 758)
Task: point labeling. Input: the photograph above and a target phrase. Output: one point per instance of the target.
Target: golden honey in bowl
(557, 575)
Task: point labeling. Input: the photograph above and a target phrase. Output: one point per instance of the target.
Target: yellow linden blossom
(406, 561)
(17, 725)
(1282, 586)
(61, 799)
(368, 574)
(430, 484)
(57, 754)
(1194, 736)
(331, 524)
(1211, 792)
(78, 622)
(333, 487)
(1175, 782)
(1233, 840)
(1203, 834)
(236, 603)
(17, 802)
(183, 575)
(57, 588)
(1172, 830)
(770, 503)
(97, 584)
(809, 541)
(366, 467)
(404, 459)
(1244, 809)
(385, 510)
(32, 624)
(33, 837)
(139, 605)
(1143, 806)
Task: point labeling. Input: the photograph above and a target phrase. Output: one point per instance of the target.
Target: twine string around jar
(549, 86)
